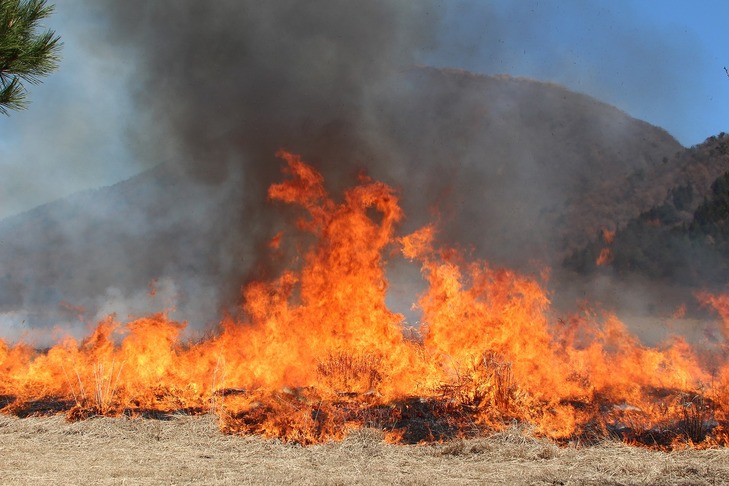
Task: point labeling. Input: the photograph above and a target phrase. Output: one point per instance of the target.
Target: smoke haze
(230, 82)
(218, 87)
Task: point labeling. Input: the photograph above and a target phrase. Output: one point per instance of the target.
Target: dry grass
(185, 450)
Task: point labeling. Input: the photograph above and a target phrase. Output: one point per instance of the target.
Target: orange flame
(605, 257)
(320, 353)
(608, 236)
(606, 254)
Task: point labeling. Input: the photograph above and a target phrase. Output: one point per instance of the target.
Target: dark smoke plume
(230, 82)
(221, 86)
(506, 166)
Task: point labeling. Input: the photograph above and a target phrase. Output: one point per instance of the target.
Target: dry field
(191, 450)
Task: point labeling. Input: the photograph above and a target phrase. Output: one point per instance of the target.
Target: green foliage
(25, 55)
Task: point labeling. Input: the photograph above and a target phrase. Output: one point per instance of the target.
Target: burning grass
(320, 355)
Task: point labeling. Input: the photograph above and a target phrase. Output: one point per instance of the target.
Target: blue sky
(660, 61)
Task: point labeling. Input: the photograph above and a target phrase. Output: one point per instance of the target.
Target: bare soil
(191, 450)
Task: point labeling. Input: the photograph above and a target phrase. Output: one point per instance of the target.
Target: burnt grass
(301, 416)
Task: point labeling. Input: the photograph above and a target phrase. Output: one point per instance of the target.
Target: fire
(319, 353)
(608, 236)
(606, 253)
(605, 257)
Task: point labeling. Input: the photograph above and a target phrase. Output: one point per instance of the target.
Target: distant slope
(524, 159)
(522, 171)
(105, 246)
(681, 235)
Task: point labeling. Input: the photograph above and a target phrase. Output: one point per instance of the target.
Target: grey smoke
(230, 82)
(218, 87)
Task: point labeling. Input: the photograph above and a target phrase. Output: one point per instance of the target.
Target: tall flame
(320, 353)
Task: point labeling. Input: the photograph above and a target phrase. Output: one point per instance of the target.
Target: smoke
(218, 87)
(71, 136)
(230, 82)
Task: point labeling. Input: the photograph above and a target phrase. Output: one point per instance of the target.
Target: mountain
(525, 173)
(524, 155)
(681, 235)
(104, 247)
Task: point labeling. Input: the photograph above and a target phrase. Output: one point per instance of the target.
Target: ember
(320, 354)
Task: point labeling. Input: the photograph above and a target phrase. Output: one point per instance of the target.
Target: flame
(605, 257)
(608, 236)
(606, 253)
(319, 353)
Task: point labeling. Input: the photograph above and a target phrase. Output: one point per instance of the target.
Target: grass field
(191, 450)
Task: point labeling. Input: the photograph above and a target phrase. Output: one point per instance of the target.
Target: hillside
(523, 172)
(681, 236)
(523, 159)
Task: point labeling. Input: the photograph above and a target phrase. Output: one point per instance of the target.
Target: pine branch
(25, 56)
(12, 96)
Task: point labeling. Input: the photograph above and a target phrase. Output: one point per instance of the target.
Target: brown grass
(187, 449)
